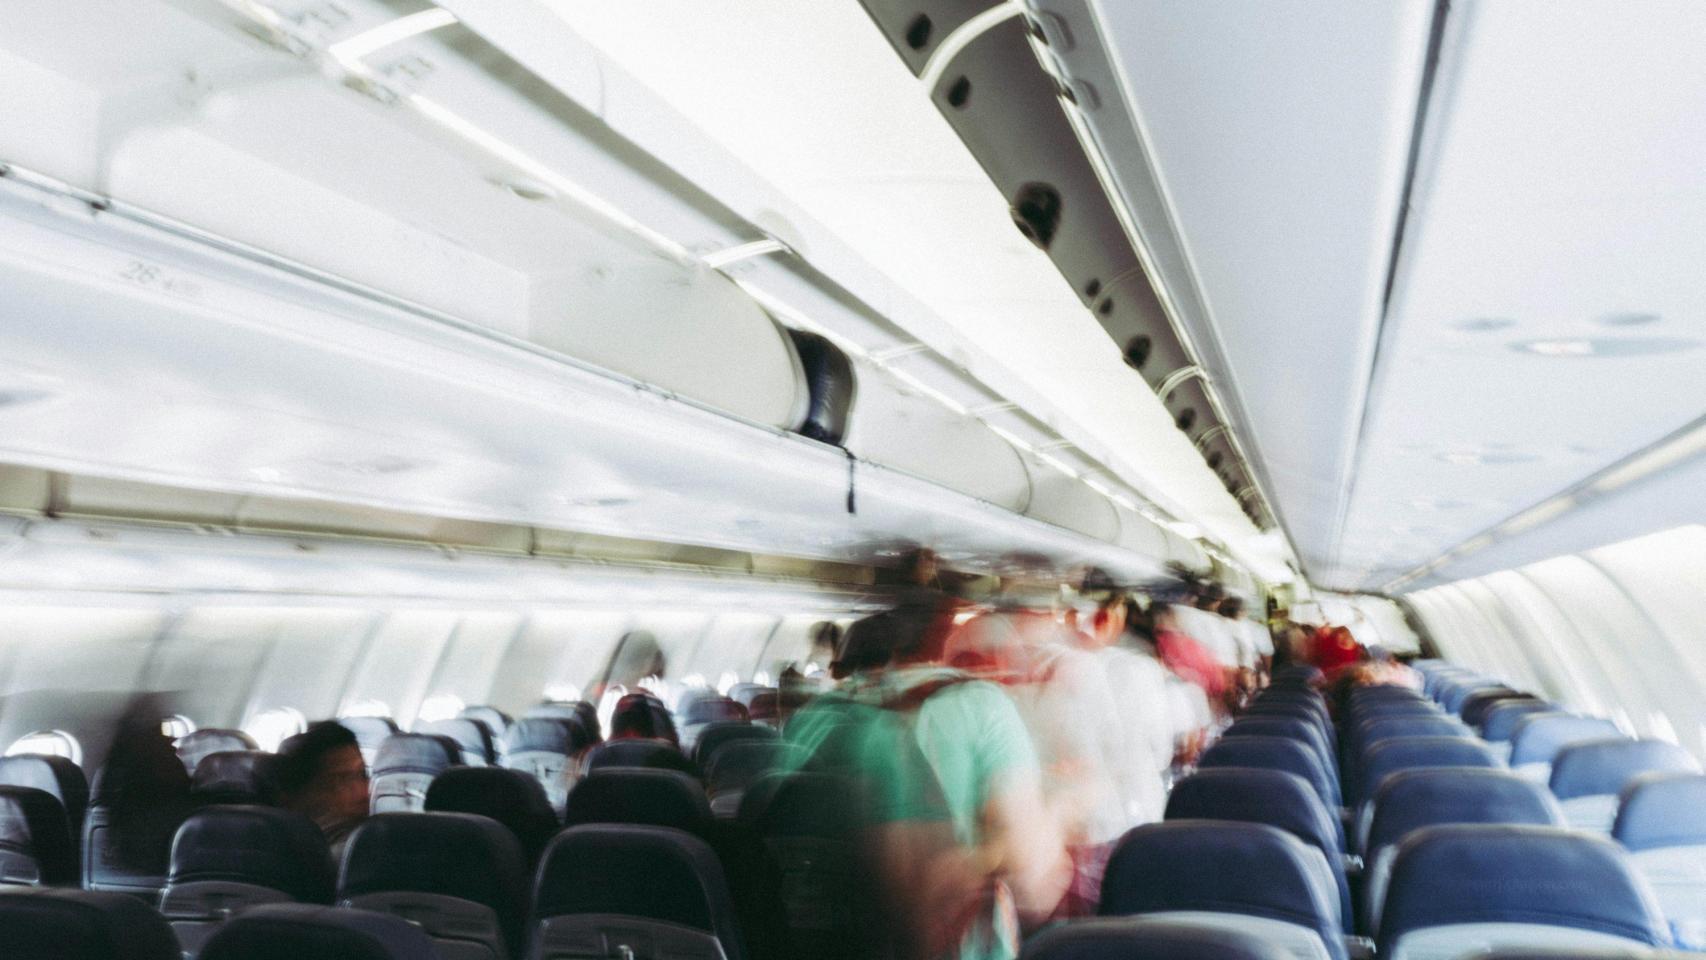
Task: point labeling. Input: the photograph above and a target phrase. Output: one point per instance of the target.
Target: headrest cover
(449, 854)
(1411, 799)
(1274, 726)
(716, 734)
(1247, 795)
(294, 931)
(56, 775)
(1371, 731)
(1502, 719)
(1476, 705)
(651, 872)
(512, 798)
(1606, 766)
(46, 923)
(496, 720)
(713, 710)
(633, 752)
(196, 744)
(1662, 810)
(1145, 938)
(1243, 868)
(1539, 736)
(369, 731)
(470, 736)
(1516, 874)
(546, 735)
(661, 798)
(243, 776)
(412, 753)
(33, 823)
(277, 849)
(1408, 753)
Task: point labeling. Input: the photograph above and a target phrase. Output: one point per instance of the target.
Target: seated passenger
(145, 790)
(321, 774)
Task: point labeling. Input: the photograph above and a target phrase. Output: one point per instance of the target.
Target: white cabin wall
(1618, 631)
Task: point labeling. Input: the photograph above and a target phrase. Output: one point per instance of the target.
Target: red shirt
(1186, 657)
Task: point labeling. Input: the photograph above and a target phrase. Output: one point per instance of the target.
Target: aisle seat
(296, 931)
(1148, 938)
(36, 845)
(51, 923)
(226, 859)
(56, 775)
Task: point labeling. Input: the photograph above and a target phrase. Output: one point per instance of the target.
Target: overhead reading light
(1556, 348)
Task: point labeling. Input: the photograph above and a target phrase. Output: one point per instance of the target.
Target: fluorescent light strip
(961, 38)
(350, 52)
(746, 251)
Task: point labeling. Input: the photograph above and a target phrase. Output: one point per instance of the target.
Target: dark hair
(641, 715)
(300, 756)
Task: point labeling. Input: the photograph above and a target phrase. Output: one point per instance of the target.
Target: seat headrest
(578, 711)
(457, 855)
(1411, 799)
(235, 776)
(369, 731)
(56, 775)
(713, 710)
(33, 823)
(1539, 736)
(1475, 706)
(47, 923)
(1273, 726)
(1375, 729)
(766, 705)
(1286, 708)
(636, 752)
(199, 743)
(740, 762)
(1249, 795)
(715, 735)
(1206, 865)
(546, 735)
(742, 693)
(495, 720)
(1272, 753)
(264, 846)
(637, 871)
(512, 798)
(1662, 810)
(1147, 938)
(414, 753)
(1516, 874)
(1606, 766)
(661, 798)
(1393, 754)
(293, 931)
(1456, 694)
(470, 736)
(1502, 718)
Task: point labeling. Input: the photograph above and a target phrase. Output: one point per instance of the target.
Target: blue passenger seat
(234, 776)
(226, 859)
(461, 878)
(370, 733)
(610, 890)
(196, 744)
(48, 923)
(640, 752)
(1501, 721)
(36, 846)
(1245, 877)
(1587, 778)
(56, 775)
(1274, 753)
(715, 735)
(1661, 821)
(1148, 938)
(1539, 736)
(546, 748)
(1457, 890)
(471, 737)
(295, 931)
(403, 768)
(510, 797)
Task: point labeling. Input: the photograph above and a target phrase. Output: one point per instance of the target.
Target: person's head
(1209, 596)
(825, 640)
(321, 774)
(1107, 621)
(641, 715)
(1232, 608)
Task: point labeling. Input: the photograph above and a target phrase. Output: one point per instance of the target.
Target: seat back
(403, 768)
(370, 733)
(740, 764)
(1461, 888)
(296, 931)
(48, 923)
(1473, 710)
(35, 839)
(578, 712)
(609, 890)
(226, 859)
(1393, 754)
(1245, 877)
(56, 775)
(234, 776)
(495, 721)
(1539, 736)
(196, 744)
(1270, 797)
(660, 798)
(472, 738)
(1293, 727)
(545, 747)
(638, 752)
(510, 797)
(809, 826)
(461, 878)
(1588, 777)
(1148, 938)
(1661, 821)
(107, 864)
(715, 735)
(1430, 796)
(1273, 753)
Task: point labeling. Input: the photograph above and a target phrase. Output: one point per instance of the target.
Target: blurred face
(338, 791)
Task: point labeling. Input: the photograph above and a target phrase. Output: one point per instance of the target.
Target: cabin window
(53, 743)
(177, 726)
(271, 727)
(439, 706)
(367, 708)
